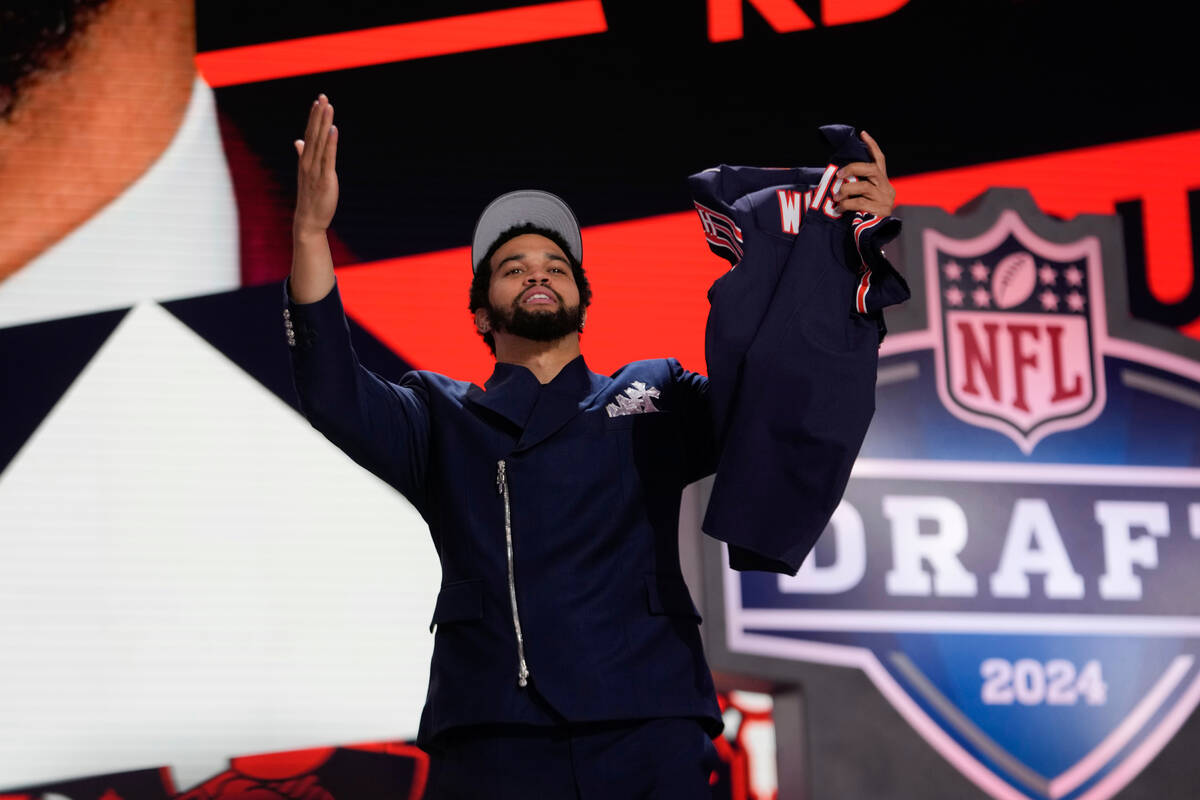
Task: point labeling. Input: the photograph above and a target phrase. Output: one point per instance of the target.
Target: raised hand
(316, 182)
(872, 193)
(316, 200)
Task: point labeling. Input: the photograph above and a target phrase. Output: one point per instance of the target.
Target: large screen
(188, 571)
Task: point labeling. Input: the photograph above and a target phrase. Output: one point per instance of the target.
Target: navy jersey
(797, 322)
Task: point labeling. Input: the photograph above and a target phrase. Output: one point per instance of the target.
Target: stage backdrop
(188, 572)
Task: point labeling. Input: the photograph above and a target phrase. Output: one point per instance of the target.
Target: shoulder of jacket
(661, 369)
(436, 382)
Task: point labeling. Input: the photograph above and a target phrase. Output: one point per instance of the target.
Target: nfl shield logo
(1018, 329)
(1013, 565)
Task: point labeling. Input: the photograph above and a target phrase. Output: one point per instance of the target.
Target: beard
(538, 326)
(36, 35)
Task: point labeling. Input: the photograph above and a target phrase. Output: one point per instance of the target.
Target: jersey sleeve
(719, 195)
(735, 202)
(879, 285)
(383, 426)
(714, 205)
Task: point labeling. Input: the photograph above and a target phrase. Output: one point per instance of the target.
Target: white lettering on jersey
(789, 210)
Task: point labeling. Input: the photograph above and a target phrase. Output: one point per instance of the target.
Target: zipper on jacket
(502, 489)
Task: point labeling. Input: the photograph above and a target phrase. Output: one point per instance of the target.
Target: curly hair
(37, 35)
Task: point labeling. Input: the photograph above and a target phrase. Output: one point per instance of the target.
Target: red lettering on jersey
(828, 208)
(823, 187)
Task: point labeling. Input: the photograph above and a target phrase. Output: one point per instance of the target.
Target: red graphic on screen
(651, 276)
(234, 786)
(785, 16)
(1096, 180)
(736, 753)
(356, 772)
(403, 42)
(648, 277)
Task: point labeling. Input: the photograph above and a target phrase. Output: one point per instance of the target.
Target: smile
(538, 296)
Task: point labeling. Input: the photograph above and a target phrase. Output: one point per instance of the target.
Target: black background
(615, 121)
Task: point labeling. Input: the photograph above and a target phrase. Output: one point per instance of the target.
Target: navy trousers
(655, 759)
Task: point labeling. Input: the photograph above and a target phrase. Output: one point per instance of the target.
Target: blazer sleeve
(383, 426)
(691, 403)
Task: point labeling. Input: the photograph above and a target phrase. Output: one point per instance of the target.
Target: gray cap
(525, 207)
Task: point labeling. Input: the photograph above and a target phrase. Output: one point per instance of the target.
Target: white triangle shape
(188, 571)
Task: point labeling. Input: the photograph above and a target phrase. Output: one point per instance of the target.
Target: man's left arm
(690, 401)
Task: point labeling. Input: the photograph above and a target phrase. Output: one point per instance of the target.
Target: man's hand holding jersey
(872, 193)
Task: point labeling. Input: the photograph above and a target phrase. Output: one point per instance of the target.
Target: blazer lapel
(511, 393)
(571, 391)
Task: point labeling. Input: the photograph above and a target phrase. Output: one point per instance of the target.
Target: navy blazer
(608, 628)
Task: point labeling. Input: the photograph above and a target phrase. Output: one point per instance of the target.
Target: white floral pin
(638, 398)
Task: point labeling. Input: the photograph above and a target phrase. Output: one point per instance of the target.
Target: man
(567, 661)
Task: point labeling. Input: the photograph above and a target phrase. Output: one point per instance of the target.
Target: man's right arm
(381, 425)
(316, 200)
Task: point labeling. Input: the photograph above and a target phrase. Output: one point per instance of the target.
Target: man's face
(532, 293)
